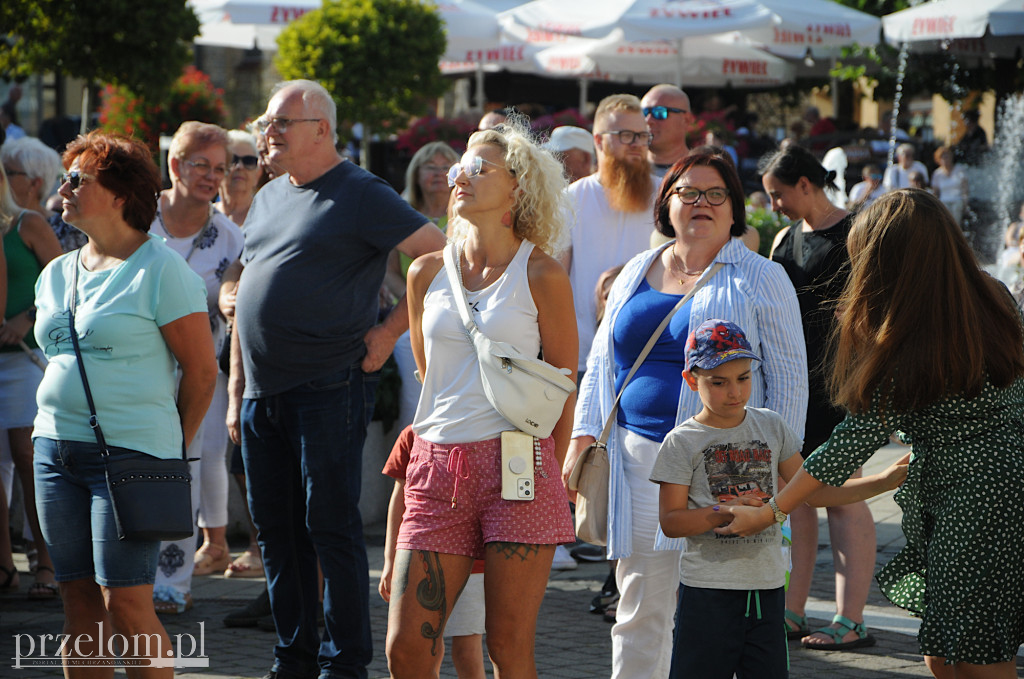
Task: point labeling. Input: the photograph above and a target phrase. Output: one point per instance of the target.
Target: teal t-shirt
(131, 370)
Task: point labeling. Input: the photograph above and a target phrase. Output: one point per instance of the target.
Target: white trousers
(648, 580)
(175, 563)
(213, 488)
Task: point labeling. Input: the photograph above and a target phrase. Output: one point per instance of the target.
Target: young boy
(731, 597)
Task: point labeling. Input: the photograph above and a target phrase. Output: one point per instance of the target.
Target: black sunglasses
(74, 178)
(248, 162)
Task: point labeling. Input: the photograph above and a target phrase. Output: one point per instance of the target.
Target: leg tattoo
(511, 550)
(430, 594)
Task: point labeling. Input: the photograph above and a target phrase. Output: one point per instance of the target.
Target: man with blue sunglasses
(666, 109)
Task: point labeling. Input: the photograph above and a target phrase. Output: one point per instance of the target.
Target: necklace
(485, 278)
(677, 267)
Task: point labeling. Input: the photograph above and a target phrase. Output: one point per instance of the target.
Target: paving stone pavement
(571, 643)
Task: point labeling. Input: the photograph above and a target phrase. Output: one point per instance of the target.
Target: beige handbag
(590, 473)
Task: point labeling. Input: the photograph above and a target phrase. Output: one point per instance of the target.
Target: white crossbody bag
(525, 390)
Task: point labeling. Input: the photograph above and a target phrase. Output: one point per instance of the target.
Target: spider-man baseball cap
(715, 342)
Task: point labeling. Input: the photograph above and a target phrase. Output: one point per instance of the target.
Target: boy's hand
(384, 587)
(894, 475)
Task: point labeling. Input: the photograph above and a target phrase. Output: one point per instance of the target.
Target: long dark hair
(789, 164)
(920, 320)
(720, 161)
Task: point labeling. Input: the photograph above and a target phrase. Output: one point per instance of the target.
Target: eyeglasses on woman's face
(74, 178)
(203, 168)
(248, 162)
(690, 195)
(471, 168)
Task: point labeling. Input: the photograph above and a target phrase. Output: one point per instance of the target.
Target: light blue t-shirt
(130, 368)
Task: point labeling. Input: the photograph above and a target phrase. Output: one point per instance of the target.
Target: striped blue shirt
(748, 290)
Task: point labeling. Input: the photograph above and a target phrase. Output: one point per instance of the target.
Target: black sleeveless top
(818, 281)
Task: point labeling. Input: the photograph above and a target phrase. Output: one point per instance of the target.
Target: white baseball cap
(569, 137)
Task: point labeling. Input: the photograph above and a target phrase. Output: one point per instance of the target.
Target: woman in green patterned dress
(930, 346)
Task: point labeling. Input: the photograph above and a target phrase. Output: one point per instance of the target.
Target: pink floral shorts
(453, 501)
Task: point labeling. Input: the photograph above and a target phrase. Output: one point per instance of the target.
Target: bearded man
(613, 209)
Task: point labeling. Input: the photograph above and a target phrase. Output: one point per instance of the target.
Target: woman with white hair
(32, 170)
(29, 245)
(507, 222)
(210, 243)
(242, 180)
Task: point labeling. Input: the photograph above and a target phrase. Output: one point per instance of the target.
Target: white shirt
(216, 247)
(602, 238)
(898, 178)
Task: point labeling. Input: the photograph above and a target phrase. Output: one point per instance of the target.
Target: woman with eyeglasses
(138, 312)
(242, 180)
(29, 245)
(700, 204)
(507, 221)
(813, 253)
(209, 242)
(428, 192)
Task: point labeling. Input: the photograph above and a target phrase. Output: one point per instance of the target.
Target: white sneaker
(563, 561)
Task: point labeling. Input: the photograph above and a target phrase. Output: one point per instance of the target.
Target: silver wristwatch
(780, 515)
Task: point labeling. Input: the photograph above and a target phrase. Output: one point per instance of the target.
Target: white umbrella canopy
(952, 19)
(963, 27)
(702, 62)
(823, 26)
(470, 26)
(550, 21)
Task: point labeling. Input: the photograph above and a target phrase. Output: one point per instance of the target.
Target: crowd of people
(243, 314)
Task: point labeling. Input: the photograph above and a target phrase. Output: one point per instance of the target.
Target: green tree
(140, 45)
(377, 58)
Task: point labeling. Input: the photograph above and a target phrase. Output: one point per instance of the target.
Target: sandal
(801, 630)
(43, 590)
(845, 627)
(205, 563)
(10, 583)
(248, 565)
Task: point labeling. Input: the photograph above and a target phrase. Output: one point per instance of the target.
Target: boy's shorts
(720, 632)
(468, 615)
(471, 474)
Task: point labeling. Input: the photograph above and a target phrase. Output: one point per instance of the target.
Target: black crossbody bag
(152, 497)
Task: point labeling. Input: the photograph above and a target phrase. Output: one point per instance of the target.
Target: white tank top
(453, 407)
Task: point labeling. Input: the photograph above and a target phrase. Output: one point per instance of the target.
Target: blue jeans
(303, 460)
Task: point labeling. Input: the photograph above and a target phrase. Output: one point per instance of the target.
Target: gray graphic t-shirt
(719, 465)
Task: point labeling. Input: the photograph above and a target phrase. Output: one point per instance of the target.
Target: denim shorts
(77, 517)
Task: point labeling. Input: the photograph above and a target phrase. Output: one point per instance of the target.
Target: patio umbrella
(823, 26)
(980, 26)
(470, 26)
(549, 21)
(703, 62)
